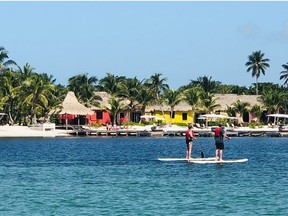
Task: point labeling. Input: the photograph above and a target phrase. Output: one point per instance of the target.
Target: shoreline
(26, 131)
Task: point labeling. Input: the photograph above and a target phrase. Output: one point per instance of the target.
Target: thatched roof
(105, 100)
(71, 105)
(223, 99)
(227, 99)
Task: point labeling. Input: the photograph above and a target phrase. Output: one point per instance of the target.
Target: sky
(180, 40)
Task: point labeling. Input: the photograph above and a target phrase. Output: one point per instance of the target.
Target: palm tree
(4, 64)
(257, 111)
(112, 84)
(37, 95)
(145, 97)
(157, 85)
(130, 91)
(284, 74)
(257, 64)
(10, 89)
(84, 89)
(206, 83)
(230, 111)
(116, 106)
(208, 102)
(172, 98)
(274, 99)
(192, 97)
(240, 107)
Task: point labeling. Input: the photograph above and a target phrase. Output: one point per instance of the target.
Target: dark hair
(220, 125)
(190, 125)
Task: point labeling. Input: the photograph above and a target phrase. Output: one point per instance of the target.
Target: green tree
(157, 85)
(206, 83)
(3, 57)
(112, 84)
(284, 74)
(130, 91)
(274, 99)
(116, 106)
(257, 64)
(193, 97)
(257, 111)
(208, 103)
(172, 98)
(241, 107)
(38, 91)
(10, 89)
(145, 97)
(84, 88)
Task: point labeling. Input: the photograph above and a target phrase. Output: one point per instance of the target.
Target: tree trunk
(256, 85)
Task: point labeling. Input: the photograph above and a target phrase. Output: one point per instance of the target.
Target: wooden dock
(80, 131)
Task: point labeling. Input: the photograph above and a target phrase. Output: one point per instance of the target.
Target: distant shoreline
(26, 132)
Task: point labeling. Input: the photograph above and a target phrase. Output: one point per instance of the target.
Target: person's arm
(225, 135)
(192, 135)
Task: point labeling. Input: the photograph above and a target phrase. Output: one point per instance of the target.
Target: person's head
(190, 126)
(220, 125)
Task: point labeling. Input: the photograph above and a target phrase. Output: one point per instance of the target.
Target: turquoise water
(121, 176)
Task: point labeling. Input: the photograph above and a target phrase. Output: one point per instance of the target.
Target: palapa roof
(105, 100)
(71, 105)
(223, 100)
(227, 99)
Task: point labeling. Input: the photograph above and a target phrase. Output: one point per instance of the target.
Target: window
(173, 115)
(99, 114)
(184, 116)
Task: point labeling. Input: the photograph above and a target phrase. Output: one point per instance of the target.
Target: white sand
(24, 131)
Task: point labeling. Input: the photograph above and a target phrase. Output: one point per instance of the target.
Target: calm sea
(121, 176)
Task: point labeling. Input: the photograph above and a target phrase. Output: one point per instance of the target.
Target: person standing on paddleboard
(189, 134)
(219, 142)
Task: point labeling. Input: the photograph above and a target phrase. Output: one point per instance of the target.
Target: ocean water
(122, 176)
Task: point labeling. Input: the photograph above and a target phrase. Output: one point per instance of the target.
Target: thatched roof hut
(71, 105)
(105, 101)
(227, 99)
(223, 99)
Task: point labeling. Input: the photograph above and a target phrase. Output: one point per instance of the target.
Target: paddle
(201, 152)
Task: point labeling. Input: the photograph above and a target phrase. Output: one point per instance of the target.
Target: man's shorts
(188, 141)
(219, 145)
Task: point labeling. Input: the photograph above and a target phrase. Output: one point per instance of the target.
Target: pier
(171, 132)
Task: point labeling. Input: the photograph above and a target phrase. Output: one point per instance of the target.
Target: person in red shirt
(189, 134)
(219, 142)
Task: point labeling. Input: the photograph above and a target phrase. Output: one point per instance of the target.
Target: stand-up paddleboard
(185, 159)
(220, 162)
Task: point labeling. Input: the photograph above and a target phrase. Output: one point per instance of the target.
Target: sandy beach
(25, 131)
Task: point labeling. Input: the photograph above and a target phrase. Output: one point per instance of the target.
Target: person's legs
(221, 151)
(190, 149)
(187, 151)
(216, 154)
(217, 150)
(220, 154)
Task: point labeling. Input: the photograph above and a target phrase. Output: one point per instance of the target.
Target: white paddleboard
(220, 162)
(185, 159)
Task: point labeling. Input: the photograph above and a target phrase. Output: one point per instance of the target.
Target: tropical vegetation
(27, 96)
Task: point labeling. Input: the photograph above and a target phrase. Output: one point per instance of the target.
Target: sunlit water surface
(122, 176)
